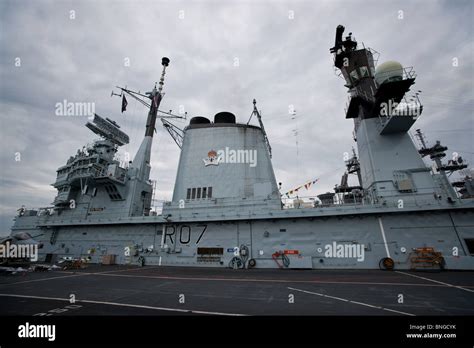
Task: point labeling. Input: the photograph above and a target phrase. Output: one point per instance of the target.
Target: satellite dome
(388, 72)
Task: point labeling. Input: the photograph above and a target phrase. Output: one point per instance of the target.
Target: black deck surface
(130, 290)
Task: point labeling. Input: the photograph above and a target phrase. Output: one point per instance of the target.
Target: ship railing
(117, 215)
(390, 198)
(428, 196)
(313, 202)
(34, 211)
(375, 54)
(80, 212)
(96, 171)
(421, 197)
(409, 73)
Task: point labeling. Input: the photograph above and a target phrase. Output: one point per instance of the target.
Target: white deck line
(126, 305)
(436, 281)
(354, 302)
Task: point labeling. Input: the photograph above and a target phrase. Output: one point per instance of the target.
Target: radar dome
(388, 72)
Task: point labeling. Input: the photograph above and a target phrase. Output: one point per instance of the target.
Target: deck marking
(366, 304)
(383, 236)
(261, 280)
(109, 274)
(436, 281)
(338, 298)
(74, 274)
(393, 310)
(354, 302)
(42, 279)
(126, 305)
(123, 270)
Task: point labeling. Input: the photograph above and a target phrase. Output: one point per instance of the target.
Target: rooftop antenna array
(259, 118)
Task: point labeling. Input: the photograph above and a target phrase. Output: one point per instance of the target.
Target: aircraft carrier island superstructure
(227, 210)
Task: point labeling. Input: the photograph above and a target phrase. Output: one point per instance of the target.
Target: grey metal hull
(381, 232)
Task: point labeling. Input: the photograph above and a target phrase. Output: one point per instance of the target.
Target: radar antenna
(156, 96)
(259, 117)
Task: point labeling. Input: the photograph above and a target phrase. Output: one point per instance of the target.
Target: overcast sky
(282, 50)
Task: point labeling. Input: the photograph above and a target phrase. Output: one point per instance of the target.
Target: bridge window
(364, 72)
(354, 75)
(113, 193)
(199, 193)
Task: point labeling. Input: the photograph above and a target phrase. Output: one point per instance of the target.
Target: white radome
(388, 71)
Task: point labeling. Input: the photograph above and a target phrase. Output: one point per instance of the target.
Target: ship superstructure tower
(391, 168)
(94, 183)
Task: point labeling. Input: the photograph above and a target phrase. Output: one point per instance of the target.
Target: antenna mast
(155, 96)
(259, 117)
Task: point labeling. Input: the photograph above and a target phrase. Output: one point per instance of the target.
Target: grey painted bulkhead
(177, 243)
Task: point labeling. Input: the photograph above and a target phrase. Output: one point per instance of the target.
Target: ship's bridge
(94, 165)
